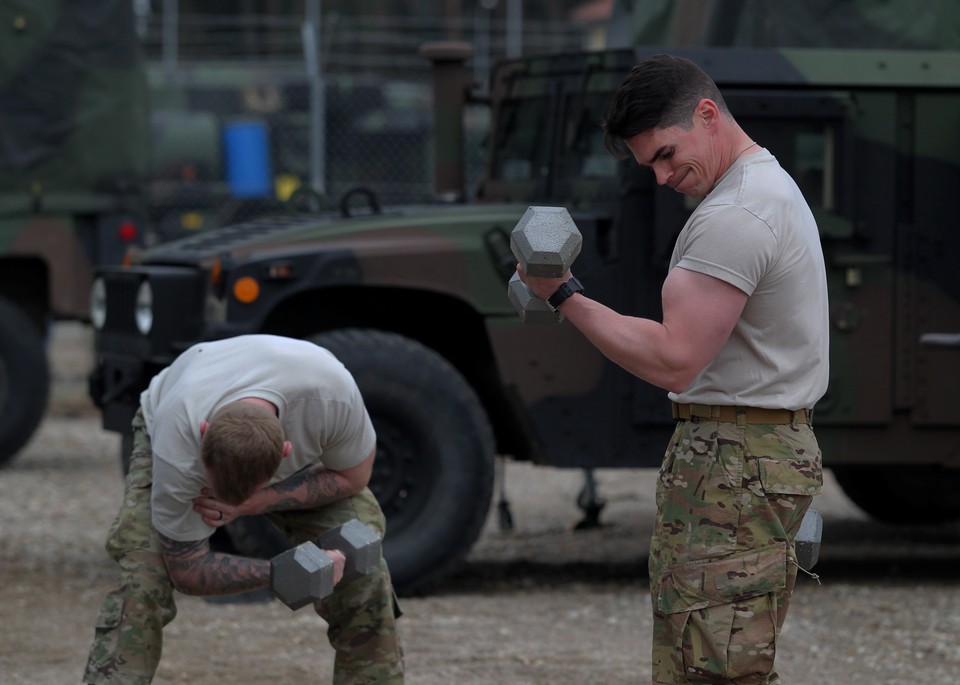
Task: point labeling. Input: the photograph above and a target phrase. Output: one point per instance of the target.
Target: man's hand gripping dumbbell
(545, 242)
(308, 572)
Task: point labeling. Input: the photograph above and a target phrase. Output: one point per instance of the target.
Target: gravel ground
(541, 604)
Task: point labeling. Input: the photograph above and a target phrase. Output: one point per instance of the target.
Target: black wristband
(567, 289)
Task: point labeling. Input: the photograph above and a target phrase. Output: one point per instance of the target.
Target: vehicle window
(584, 153)
(522, 146)
(806, 149)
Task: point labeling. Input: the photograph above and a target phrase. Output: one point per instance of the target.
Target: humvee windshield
(803, 131)
(523, 145)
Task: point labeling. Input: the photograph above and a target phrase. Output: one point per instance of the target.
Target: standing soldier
(742, 350)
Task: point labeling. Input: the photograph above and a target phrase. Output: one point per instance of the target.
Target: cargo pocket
(106, 637)
(712, 582)
(699, 603)
(791, 476)
(789, 486)
(111, 613)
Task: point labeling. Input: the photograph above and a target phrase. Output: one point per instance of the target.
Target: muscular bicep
(699, 313)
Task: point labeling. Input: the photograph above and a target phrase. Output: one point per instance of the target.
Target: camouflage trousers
(361, 615)
(730, 500)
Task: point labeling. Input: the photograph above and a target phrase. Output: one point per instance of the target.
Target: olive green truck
(73, 151)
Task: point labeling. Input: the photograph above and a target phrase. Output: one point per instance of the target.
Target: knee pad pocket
(703, 583)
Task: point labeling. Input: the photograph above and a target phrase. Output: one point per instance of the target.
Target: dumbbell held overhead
(305, 574)
(545, 242)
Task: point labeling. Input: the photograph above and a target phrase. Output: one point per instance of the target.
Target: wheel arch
(449, 325)
(25, 282)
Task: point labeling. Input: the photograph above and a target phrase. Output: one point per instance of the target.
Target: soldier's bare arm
(195, 569)
(699, 313)
(318, 486)
(313, 487)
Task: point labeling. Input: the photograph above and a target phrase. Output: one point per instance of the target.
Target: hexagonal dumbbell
(359, 543)
(545, 241)
(304, 574)
(301, 575)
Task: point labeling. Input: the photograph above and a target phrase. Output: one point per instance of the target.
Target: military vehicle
(72, 152)
(413, 299)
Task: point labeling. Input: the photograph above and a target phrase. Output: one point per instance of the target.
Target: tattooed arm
(312, 487)
(195, 569)
(315, 486)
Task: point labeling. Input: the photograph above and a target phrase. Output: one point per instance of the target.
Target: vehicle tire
(24, 380)
(903, 495)
(252, 536)
(433, 474)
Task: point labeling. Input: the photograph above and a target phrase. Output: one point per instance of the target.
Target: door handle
(941, 339)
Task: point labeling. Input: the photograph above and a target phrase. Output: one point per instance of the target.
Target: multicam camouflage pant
(361, 615)
(730, 500)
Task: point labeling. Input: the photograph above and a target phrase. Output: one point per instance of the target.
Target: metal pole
(170, 36)
(318, 117)
(514, 28)
(481, 61)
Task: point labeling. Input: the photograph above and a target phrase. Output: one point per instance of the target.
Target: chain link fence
(255, 114)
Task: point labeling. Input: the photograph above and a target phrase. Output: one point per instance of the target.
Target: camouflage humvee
(72, 150)
(413, 299)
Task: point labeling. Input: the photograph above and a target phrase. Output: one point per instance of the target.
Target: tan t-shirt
(319, 405)
(755, 231)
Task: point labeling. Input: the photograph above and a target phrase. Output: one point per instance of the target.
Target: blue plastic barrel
(247, 162)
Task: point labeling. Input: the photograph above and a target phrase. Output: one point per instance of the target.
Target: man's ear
(708, 112)
(287, 447)
(203, 427)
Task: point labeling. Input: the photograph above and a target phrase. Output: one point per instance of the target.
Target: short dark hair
(660, 92)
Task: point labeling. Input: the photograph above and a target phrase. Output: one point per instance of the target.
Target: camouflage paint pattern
(128, 635)
(73, 150)
(730, 499)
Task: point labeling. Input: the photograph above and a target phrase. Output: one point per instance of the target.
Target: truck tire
(903, 495)
(433, 475)
(24, 380)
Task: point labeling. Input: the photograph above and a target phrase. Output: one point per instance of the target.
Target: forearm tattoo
(309, 488)
(195, 569)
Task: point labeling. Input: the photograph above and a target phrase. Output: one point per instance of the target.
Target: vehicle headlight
(143, 312)
(98, 303)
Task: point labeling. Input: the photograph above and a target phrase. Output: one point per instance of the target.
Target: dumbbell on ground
(304, 574)
(545, 241)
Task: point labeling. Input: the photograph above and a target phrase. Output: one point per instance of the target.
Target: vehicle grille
(121, 303)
